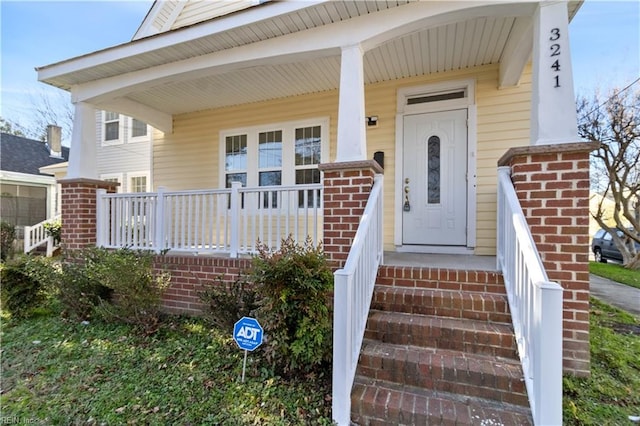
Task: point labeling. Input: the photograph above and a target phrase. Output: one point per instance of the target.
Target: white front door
(434, 186)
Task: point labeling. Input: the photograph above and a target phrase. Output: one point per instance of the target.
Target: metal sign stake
(244, 364)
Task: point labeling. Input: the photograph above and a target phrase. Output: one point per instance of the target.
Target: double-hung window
(111, 127)
(276, 154)
(138, 130)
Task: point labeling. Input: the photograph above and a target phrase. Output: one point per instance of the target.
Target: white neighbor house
(267, 117)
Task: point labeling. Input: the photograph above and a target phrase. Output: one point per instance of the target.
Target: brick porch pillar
(79, 211)
(552, 184)
(346, 190)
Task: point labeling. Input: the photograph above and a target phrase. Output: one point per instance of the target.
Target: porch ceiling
(454, 44)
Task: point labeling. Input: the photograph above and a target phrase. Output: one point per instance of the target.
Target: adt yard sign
(247, 333)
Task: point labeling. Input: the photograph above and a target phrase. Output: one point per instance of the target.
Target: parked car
(604, 247)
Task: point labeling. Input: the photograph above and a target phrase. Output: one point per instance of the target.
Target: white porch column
(82, 153)
(352, 143)
(553, 107)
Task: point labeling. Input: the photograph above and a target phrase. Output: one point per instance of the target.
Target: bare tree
(615, 123)
(52, 108)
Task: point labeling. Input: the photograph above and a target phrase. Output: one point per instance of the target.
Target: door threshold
(435, 249)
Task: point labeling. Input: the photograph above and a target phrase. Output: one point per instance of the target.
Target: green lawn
(64, 372)
(612, 393)
(616, 272)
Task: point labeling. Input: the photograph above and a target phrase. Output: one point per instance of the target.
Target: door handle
(407, 205)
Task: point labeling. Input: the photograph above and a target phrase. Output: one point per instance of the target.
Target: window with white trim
(111, 132)
(138, 183)
(278, 154)
(138, 130)
(308, 152)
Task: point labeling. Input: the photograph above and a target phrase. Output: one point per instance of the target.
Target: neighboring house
(28, 194)
(123, 151)
(299, 97)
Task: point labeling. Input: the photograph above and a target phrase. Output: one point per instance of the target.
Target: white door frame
(467, 102)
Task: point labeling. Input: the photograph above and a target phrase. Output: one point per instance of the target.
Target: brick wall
(79, 211)
(190, 275)
(346, 190)
(552, 184)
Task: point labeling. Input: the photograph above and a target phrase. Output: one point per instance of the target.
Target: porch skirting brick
(190, 275)
(552, 184)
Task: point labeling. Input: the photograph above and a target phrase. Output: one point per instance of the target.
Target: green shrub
(294, 285)
(7, 237)
(137, 291)
(113, 286)
(77, 289)
(227, 302)
(23, 286)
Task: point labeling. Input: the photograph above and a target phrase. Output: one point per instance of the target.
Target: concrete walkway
(619, 295)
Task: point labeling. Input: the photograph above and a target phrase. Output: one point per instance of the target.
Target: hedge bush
(294, 286)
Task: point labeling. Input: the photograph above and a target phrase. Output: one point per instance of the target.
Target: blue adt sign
(247, 333)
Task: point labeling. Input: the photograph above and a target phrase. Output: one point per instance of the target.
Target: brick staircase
(439, 349)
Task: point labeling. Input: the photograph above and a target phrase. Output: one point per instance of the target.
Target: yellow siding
(189, 158)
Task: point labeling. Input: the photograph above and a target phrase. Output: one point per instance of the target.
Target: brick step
(442, 279)
(448, 303)
(469, 375)
(475, 337)
(375, 402)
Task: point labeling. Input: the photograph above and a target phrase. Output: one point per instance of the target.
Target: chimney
(54, 139)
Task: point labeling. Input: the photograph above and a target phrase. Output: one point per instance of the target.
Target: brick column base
(552, 184)
(346, 190)
(79, 211)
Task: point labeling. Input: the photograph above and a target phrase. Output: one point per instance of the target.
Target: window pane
(270, 178)
(433, 170)
(307, 146)
(138, 128)
(270, 149)
(236, 153)
(111, 116)
(307, 176)
(111, 131)
(139, 184)
(310, 197)
(236, 177)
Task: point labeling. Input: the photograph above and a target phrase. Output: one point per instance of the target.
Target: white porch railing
(535, 304)
(36, 236)
(353, 289)
(229, 221)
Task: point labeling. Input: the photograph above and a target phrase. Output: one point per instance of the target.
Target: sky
(604, 41)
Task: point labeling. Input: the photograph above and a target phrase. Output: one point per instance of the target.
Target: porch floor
(444, 261)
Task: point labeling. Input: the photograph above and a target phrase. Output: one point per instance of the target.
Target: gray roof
(24, 155)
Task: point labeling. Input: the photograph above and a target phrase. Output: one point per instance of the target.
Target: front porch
(444, 91)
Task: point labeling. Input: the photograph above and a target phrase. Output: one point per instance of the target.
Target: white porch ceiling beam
(368, 31)
(516, 53)
(157, 119)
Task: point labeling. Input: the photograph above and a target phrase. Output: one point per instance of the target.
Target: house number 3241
(555, 51)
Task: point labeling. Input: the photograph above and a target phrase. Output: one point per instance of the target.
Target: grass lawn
(64, 372)
(616, 272)
(612, 393)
